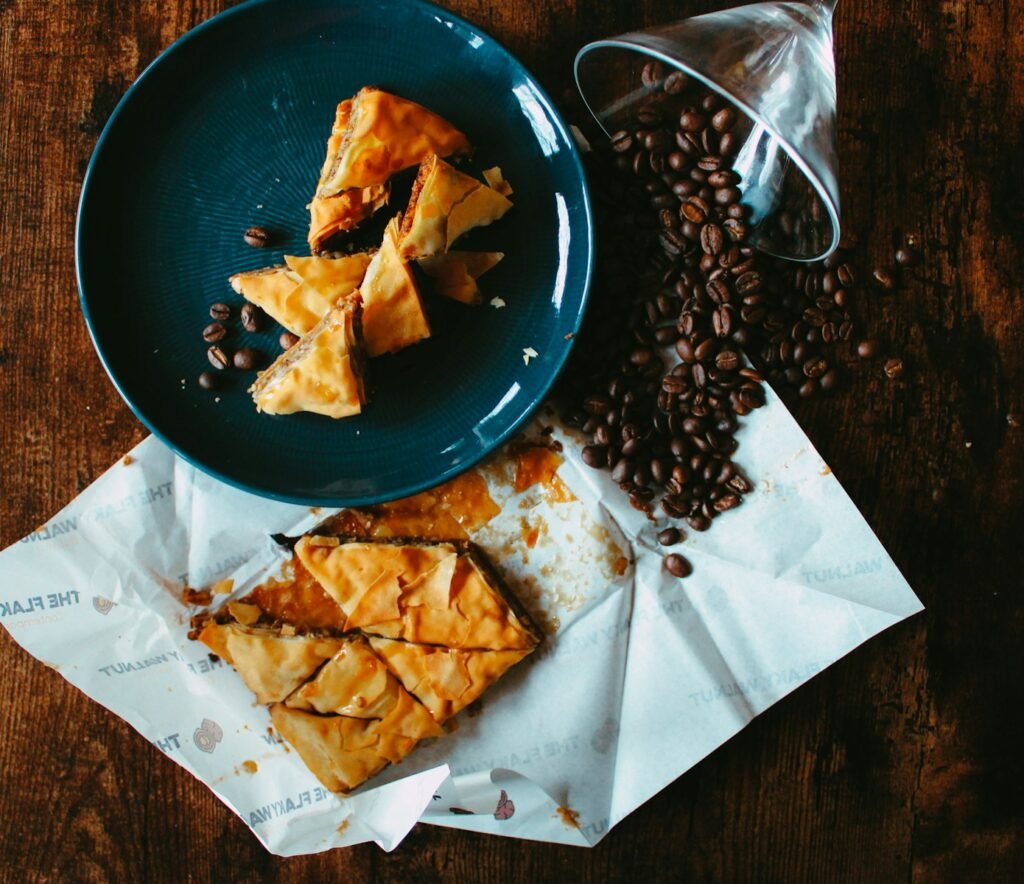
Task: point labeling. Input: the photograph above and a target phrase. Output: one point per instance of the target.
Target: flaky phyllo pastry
(298, 294)
(445, 204)
(455, 273)
(393, 314)
(345, 210)
(428, 627)
(383, 135)
(323, 372)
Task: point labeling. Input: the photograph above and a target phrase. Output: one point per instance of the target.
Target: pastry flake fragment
(473, 612)
(347, 209)
(322, 373)
(271, 665)
(496, 181)
(393, 313)
(383, 135)
(455, 273)
(298, 294)
(445, 680)
(446, 203)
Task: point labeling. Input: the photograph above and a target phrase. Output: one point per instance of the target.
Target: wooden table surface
(903, 761)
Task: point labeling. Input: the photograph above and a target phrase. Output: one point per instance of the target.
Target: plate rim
(409, 488)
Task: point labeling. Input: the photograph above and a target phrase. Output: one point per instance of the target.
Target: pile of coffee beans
(253, 320)
(222, 357)
(677, 274)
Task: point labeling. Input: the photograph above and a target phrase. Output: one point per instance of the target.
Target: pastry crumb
(569, 336)
(497, 303)
(250, 767)
(528, 354)
(128, 460)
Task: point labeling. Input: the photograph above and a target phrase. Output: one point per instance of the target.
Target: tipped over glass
(773, 61)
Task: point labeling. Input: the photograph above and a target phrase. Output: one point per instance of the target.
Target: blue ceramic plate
(227, 129)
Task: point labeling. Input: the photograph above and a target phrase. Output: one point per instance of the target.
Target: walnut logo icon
(207, 735)
(103, 605)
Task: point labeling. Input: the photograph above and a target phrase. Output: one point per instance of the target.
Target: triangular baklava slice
(271, 664)
(298, 294)
(383, 135)
(342, 752)
(393, 313)
(446, 203)
(455, 273)
(343, 211)
(323, 372)
(439, 593)
(445, 680)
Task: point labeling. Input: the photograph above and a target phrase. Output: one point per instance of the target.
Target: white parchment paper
(641, 677)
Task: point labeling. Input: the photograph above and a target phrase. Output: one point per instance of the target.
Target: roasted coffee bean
(595, 456)
(1014, 420)
(721, 321)
(657, 140)
(218, 358)
(208, 380)
(691, 121)
(622, 141)
(673, 506)
(829, 380)
(287, 340)
(846, 276)
(699, 522)
(867, 349)
(653, 73)
(685, 350)
(815, 368)
(728, 144)
(694, 209)
(718, 291)
(676, 82)
(247, 358)
(727, 502)
(669, 536)
(749, 283)
(622, 470)
(677, 566)
(252, 317)
(641, 356)
(808, 389)
(258, 237)
(673, 385)
(704, 350)
(711, 239)
(727, 360)
(220, 311)
(724, 120)
(214, 332)
(893, 367)
(884, 278)
(659, 472)
(726, 196)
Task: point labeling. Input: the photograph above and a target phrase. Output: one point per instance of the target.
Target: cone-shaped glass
(775, 62)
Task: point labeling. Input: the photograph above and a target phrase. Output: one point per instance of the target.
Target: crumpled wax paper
(641, 674)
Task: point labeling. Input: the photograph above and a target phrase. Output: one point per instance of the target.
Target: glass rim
(625, 43)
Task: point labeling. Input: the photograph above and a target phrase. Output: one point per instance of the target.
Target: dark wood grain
(901, 762)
